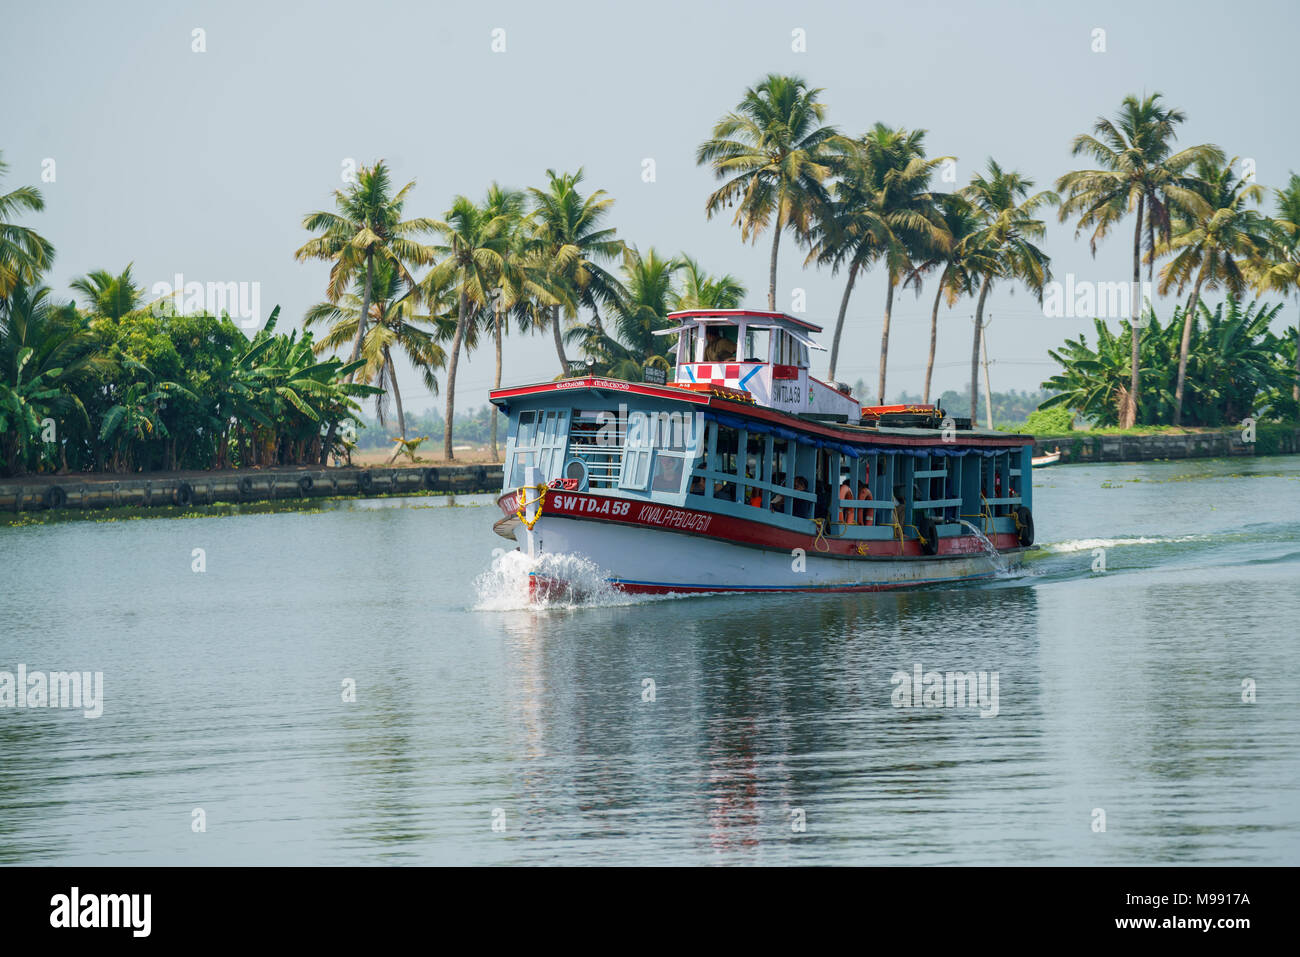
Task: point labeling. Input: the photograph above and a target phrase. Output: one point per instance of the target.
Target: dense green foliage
(1236, 367)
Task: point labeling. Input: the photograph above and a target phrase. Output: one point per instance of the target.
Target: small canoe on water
(1042, 461)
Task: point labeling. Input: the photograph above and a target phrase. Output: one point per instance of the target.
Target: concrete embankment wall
(1191, 445)
(147, 490)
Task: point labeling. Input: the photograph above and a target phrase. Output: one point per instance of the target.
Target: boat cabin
(763, 353)
(610, 438)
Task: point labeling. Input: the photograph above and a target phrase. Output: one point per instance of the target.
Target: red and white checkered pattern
(720, 373)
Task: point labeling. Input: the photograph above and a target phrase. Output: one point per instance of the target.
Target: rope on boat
(540, 502)
(819, 542)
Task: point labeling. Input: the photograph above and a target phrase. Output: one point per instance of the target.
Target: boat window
(527, 428)
(522, 461)
(638, 449)
(596, 439)
(756, 345)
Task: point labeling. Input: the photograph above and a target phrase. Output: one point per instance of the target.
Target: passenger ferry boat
(748, 474)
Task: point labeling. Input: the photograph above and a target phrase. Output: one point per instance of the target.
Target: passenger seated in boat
(802, 507)
(778, 501)
(668, 474)
(822, 507)
(697, 485)
(717, 347)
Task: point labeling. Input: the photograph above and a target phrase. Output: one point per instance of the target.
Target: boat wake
(1088, 544)
(571, 582)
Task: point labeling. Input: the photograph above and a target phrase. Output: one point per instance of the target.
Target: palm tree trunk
(934, 339)
(771, 269)
(988, 388)
(496, 381)
(975, 351)
(365, 311)
(1295, 389)
(1184, 347)
(559, 340)
(839, 321)
(452, 362)
(397, 400)
(884, 334)
(1130, 415)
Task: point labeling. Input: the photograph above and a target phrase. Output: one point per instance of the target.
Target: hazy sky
(205, 163)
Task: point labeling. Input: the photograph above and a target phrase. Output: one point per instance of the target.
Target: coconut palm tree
(24, 253)
(108, 296)
(521, 291)
(1213, 246)
(474, 242)
(630, 346)
(1137, 171)
(567, 242)
(396, 322)
(365, 227)
(1279, 268)
(700, 290)
(881, 210)
(954, 266)
(1003, 248)
(772, 154)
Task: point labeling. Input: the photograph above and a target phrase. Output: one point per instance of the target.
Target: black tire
(305, 484)
(184, 493)
(55, 497)
(431, 479)
(245, 486)
(929, 535)
(480, 475)
(365, 481)
(1024, 525)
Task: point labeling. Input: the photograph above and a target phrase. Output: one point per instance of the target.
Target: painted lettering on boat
(673, 518)
(591, 506)
(786, 392)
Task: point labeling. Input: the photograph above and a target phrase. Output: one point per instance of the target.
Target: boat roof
(751, 316)
(730, 401)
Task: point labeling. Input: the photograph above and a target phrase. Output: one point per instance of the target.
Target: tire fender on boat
(1024, 525)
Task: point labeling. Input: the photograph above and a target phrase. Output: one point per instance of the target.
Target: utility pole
(988, 390)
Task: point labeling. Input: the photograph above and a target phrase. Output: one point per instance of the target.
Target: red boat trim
(582, 506)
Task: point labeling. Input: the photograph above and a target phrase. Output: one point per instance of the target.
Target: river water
(1147, 707)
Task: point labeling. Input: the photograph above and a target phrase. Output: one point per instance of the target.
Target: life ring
(55, 497)
(1024, 525)
(365, 481)
(246, 486)
(305, 484)
(929, 535)
(184, 493)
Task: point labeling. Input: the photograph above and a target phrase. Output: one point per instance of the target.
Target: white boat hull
(651, 560)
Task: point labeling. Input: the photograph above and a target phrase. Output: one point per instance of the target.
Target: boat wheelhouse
(746, 473)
